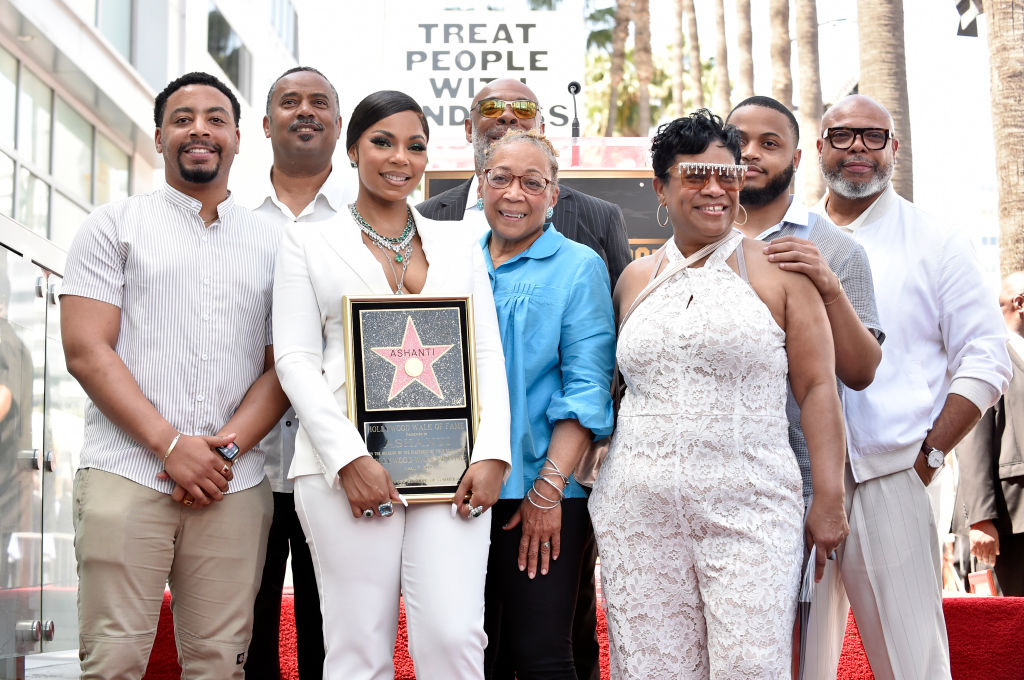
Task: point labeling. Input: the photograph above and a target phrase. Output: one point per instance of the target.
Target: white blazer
(317, 265)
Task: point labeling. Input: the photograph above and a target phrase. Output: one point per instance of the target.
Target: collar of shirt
(879, 205)
(798, 215)
(192, 204)
(474, 188)
(545, 246)
(330, 191)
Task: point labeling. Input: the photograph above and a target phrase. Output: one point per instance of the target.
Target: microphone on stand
(574, 89)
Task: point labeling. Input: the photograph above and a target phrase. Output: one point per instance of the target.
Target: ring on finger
(386, 509)
(545, 545)
(188, 500)
(224, 470)
(367, 513)
(476, 511)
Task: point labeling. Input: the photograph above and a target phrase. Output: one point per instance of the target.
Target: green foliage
(598, 70)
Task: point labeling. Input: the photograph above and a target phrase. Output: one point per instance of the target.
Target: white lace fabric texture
(698, 508)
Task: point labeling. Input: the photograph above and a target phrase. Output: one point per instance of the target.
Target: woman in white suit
(364, 556)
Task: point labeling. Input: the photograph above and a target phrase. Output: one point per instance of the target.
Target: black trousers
(1010, 564)
(263, 662)
(529, 622)
(586, 650)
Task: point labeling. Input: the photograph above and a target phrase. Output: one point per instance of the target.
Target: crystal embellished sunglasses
(697, 175)
(500, 178)
(522, 108)
(842, 138)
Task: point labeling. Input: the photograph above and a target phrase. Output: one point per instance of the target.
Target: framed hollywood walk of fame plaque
(412, 388)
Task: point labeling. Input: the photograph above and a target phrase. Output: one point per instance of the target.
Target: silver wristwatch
(935, 458)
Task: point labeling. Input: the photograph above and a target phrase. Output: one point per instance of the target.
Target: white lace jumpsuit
(698, 508)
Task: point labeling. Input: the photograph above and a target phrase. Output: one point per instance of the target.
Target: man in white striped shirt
(165, 315)
(303, 122)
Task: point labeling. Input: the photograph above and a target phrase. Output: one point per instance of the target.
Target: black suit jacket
(991, 459)
(582, 218)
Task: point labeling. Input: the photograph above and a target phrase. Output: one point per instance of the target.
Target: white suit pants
(362, 565)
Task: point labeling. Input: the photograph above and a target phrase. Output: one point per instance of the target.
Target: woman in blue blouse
(558, 332)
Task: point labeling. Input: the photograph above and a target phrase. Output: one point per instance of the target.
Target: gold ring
(188, 501)
(224, 470)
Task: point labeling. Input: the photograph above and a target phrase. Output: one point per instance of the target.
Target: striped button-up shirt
(195, 318)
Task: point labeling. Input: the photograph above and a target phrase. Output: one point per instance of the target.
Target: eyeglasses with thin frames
(500, 178)
(842, 138)
(698, 175)
(523, 109)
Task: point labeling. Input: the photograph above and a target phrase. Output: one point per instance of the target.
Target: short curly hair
(533, 137)
(691, 135)
(194, 78)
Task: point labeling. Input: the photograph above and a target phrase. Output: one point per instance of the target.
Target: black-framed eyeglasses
(842, 138)
(500, 178)
(522, 108)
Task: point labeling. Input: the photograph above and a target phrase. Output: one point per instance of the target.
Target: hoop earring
(657, 215)
(745, 216)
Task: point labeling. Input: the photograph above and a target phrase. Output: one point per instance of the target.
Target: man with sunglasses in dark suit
(503, 105)
(508, 104)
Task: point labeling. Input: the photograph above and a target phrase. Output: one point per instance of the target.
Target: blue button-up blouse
(558, 332)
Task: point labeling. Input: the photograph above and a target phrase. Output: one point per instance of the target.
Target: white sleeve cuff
(978, 392)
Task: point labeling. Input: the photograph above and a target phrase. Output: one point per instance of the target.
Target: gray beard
(852, 190)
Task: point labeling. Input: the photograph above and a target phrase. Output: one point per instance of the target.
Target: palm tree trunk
(883, 76)
(1006, 59)
(744, 36)
(813, 184)
(723, 92)
(677, 60)
(782, 71)
(619, 34)
(644, 65)
(696, 68)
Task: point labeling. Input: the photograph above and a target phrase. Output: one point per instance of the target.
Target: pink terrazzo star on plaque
(413, 362)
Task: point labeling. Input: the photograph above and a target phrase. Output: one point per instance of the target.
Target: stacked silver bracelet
(547, 470)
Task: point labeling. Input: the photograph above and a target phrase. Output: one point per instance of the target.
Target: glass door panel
(23, 551)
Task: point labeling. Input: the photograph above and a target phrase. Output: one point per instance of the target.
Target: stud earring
(353, 164)
(550, 212)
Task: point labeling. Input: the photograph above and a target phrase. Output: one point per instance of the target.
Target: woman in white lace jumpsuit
(698, 508)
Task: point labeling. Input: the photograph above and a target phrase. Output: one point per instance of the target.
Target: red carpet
(986, 639)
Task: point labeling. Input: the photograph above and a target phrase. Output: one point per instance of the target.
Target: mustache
(858, 159)
(306, 122)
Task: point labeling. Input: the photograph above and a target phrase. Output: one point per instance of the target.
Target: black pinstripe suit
(578, 216)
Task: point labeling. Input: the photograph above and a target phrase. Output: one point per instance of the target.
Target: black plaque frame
(431, 419)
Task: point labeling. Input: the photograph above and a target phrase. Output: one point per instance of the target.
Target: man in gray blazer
(578, 216)
(990, 497)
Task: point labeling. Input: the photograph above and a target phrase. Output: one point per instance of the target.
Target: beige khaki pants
(130, 540)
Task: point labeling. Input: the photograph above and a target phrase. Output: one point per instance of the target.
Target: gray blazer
(991, 459)
(578, 216)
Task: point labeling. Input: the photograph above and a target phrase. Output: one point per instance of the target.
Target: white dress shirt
(332, 197)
